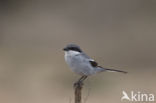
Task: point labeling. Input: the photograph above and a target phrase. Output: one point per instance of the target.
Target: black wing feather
(93, 63)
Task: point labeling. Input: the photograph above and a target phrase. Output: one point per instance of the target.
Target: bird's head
(72, 47)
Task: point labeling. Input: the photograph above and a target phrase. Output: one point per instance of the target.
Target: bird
(80, 63)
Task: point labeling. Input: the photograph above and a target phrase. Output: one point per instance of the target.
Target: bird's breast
(79, 64)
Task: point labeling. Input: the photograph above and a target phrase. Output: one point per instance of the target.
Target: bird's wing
(85, 56)
(91, 61)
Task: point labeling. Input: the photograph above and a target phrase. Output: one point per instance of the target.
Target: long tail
(113, 70)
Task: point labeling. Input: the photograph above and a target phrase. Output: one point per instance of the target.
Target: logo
(137, 97)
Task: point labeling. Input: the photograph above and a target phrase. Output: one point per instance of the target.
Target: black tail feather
(113, 70)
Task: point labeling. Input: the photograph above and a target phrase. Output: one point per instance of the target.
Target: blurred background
(119, 34)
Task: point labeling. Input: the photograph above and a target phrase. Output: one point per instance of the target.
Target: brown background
(116, 33)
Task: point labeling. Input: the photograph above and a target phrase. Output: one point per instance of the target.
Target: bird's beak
(64, 49)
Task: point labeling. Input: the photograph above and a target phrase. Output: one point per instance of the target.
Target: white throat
(71, 53)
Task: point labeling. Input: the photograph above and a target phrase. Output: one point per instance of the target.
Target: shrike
(82, 64)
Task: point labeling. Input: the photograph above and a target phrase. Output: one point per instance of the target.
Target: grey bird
(82, 64)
